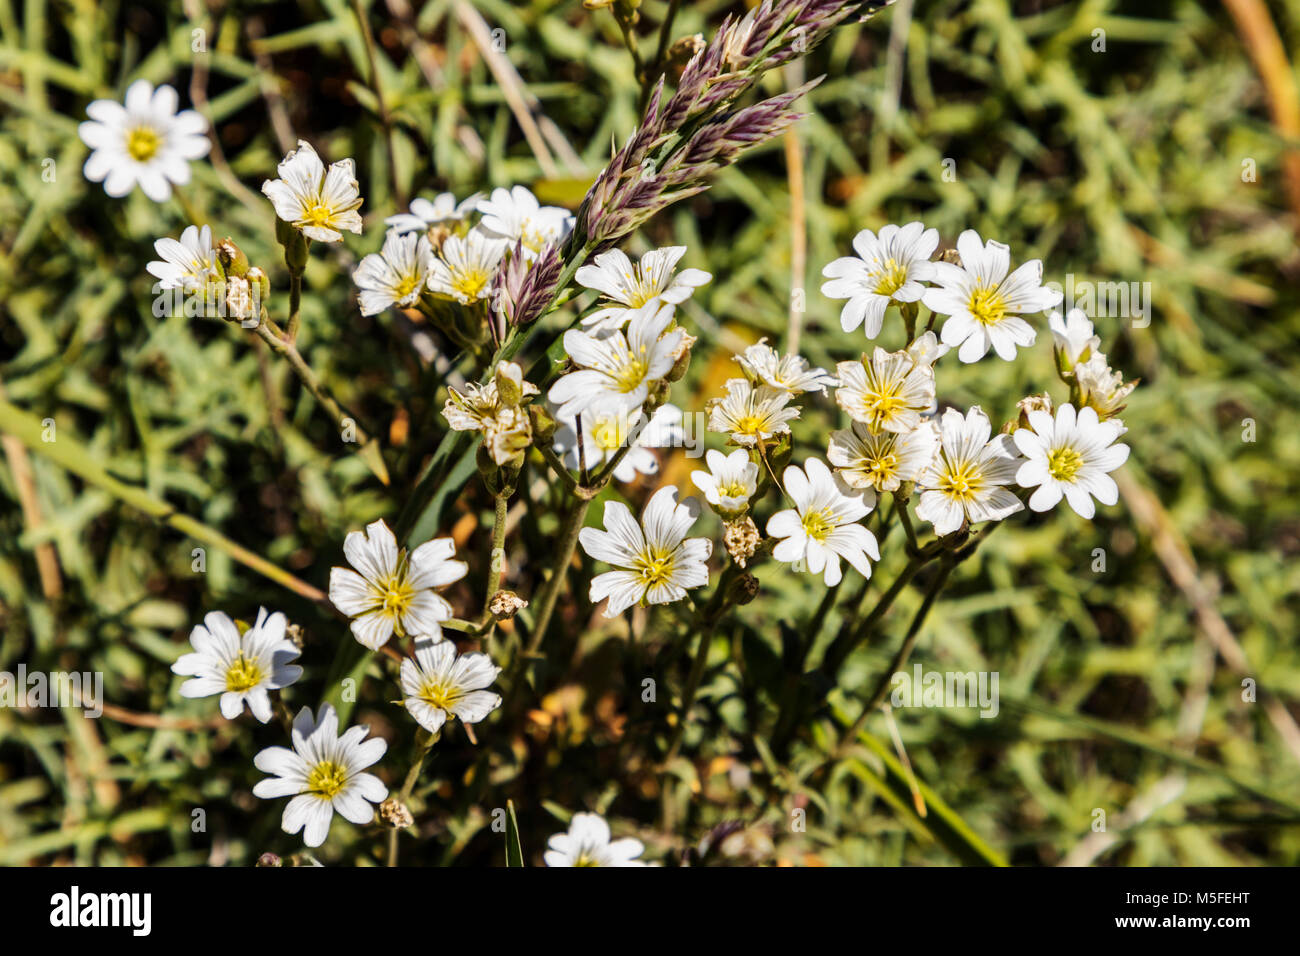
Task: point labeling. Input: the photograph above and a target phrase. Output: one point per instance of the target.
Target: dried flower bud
(741, 539)
(269, 859)
(952, 256)
(1032, 403)
(394, 813)
(232, 258)
(744, 589)
(681, 357)
(683, 48)
(505, 605)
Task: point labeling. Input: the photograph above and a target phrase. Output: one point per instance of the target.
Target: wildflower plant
(530, 490)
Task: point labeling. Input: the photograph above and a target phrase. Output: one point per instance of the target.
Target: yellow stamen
(142, 143)
(817, 524)
(962, 482)
(244, 674)
(890, 277)
(987, 306)
(1064, 463)
(326, 779)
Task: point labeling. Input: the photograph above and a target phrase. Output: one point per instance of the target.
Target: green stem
(847, 640)
(71, 455)
(408, 785)
(913, 633)
(497, 570)
(688, 696)
(295, 306)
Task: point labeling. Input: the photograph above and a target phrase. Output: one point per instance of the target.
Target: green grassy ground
(1121, 689)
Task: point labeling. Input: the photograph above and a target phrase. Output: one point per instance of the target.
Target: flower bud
(543, 424)
(232, 258)
(395, 814)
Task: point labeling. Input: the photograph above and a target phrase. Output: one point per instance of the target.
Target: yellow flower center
(881, 406)
(733, 489)
(317, 214)
(631, 375)
(987, 306)
(471, 284)
(396, 594)
(244, 674)
(890, 277)
(407, 286)
(750, 424)
(882, 466)
(584, 860)
(608, 434)
(1064, 463)
(439, 695)
(326, 779)
(817, 524)
(656, 568)
(142, 143)
(961, 482)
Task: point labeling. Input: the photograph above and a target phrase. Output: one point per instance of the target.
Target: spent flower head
(793, 373)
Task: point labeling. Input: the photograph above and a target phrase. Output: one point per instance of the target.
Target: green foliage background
(1122, 165)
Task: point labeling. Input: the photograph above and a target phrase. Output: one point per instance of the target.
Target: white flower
(927, 350)
(792, 373)
(964, 482)
(144, 141)
(320, 203)
(632, 286)
(984, 303)
(1071, 455)
(604, 433)
(751, 415)
(657, 563)
(588, 844)
(1101, 387)
(439, 685)
(395, 275)
(189, 264)
(617, 370)
(1073, 337)
(882, 461)
(730, 481)
(517, 216)
(241, 668)
(424, 214)
(394, 590)
(465, 265)
(891, 268)
(822, 526)
(889, 392)
(323, 773)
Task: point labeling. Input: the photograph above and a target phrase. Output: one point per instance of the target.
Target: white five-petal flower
(984, 303)
(891, 267)
(822, 527)
(241, 668)
(616, 370)
(587, 843)
(1071, 455)
(424, 214)
(882, 461)
(440, 685)
(751, 415)
(516, 215)
(317, 201)
(188, 264)
(965, 481)
(888, 392)
(143, 141)
(656, 562)
(792, 373)
(395, 275)
(604, 433)
(629, 287)
(464, 267)
(729, 483)
(391, 590)
(324, 773)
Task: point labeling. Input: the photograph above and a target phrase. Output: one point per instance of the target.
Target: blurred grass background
(1121, 688)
